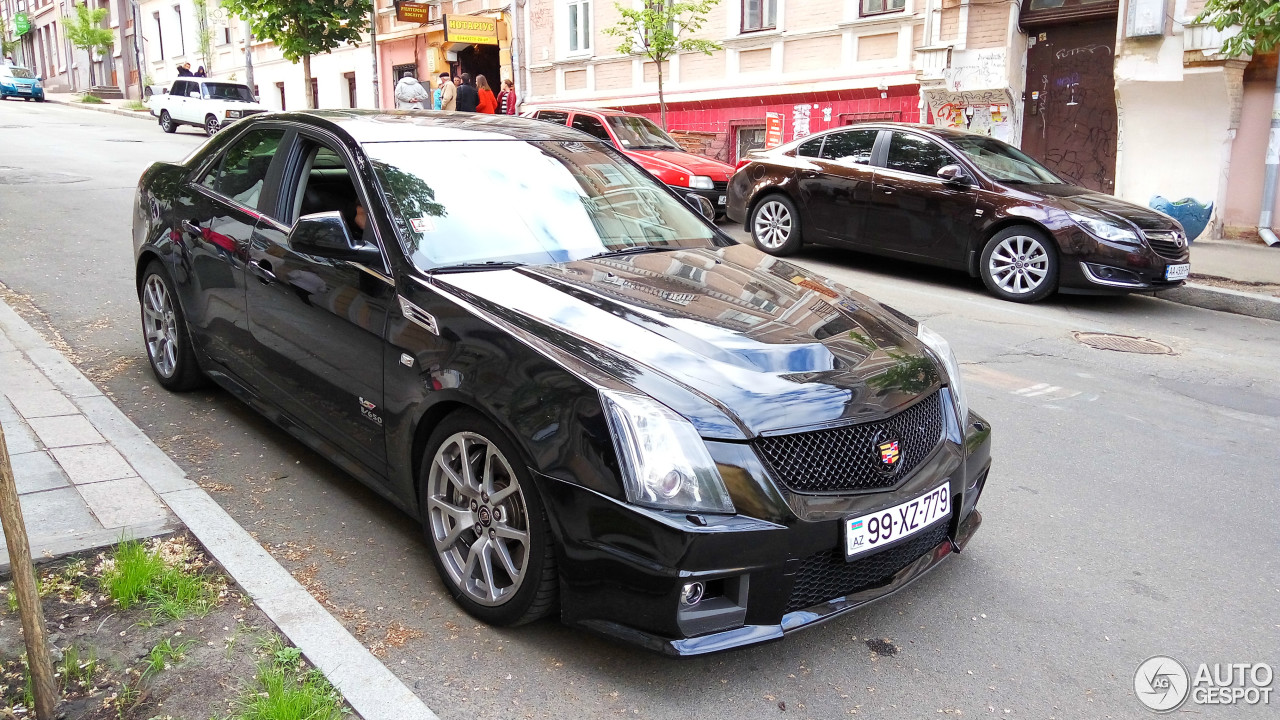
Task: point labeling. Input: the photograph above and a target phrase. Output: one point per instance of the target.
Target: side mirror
(954, 174)
(326, 235)
(702, 205)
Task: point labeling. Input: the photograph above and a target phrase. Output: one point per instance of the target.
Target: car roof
(593, 111)
(364, 126)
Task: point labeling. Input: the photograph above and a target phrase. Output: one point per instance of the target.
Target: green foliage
(75, 672)
(88, 99)
(661, 29)
(140, 575)
(85, 30)
(135, 105)
(204, 34)
(8, 46)
(1258, 20)
(301, 28)
(163, 655)
(284, 691)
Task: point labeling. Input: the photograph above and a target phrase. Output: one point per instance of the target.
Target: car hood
(1074, 197)
(738, 342)
(694, 164)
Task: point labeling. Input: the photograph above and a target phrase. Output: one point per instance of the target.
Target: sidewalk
(87, 475)
(1241, 262)
(115, 107)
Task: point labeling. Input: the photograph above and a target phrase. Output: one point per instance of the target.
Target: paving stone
(17, 373)
(120, 503)
(56, 513)
(41, 403)
(5, 345)
(65, 430)
(36, 471)
(17, 436)
(92, 463)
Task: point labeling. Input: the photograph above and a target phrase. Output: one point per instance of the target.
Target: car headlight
(942, 349)
(664, 462)
(1103, 228)
(702, 182)
(232, 114)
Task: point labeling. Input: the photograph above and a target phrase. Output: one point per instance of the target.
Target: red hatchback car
(649, 145)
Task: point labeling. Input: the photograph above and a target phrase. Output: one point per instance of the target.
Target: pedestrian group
(460, 93)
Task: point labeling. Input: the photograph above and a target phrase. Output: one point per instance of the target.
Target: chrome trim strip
(418, 316)
(1112, 283)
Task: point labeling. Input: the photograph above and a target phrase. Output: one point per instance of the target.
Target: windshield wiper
(632, 250)
(476, 266)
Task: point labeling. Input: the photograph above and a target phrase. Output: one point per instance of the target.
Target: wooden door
(1070, 110)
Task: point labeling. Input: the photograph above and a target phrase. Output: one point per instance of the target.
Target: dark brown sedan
(958, 200)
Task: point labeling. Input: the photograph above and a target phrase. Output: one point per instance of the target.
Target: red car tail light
(741, 164)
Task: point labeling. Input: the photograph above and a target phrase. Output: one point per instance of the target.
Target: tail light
(741, 164)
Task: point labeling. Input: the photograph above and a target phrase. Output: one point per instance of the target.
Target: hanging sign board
(21, 24)
(413, 12)
(470, 29)
(772, 130)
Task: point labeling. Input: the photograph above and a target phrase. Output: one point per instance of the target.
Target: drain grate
(1123, 343)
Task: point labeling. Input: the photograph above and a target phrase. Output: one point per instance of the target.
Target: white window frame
(585, 38)
(764, 13)
(734, 17)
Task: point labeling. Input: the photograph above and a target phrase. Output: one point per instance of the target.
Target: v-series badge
(367, 409)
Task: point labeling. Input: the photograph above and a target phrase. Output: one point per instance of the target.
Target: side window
(242, 170)
(325, 185)
(917, 155)
(591, 126)
(554, 116)
(850, 147)
(179, 89)
(810, 148)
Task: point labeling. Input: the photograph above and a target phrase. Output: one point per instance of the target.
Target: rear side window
(554, 116)
(915, 154)
(810, 148)
(850, 147)
(591, 126)
(242, 170)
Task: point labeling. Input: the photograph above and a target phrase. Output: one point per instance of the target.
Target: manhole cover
(1123, 343)
(20, 176)
(122, 140)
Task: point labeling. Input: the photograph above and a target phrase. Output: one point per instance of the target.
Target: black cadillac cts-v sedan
(596, 403)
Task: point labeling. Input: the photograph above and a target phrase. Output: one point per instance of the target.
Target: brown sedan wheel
(485, 524)
(1020, 263)
(775, 225)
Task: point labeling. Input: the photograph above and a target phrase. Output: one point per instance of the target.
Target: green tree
(1258, 20)
(85, 31)
(302, 28)
(662, 29)
(204, 34)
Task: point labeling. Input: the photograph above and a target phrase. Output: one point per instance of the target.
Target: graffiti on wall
(989, 112)
(800, 120)
(983, 69)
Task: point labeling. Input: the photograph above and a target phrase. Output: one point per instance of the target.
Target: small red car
(649, 145)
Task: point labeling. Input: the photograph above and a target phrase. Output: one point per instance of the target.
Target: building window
(182, 34)
(159, 33)
(225, 35)
(580, 26)
(280, 90)
(351, 89)
(875, 7)
(761, 15)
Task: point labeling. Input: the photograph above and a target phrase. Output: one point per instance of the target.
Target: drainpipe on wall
(514, 25)
(1273, 169)
(373, 48)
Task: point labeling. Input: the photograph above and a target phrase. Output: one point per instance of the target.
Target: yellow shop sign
(471, 29)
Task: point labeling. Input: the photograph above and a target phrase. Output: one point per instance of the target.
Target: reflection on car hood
(695, 164)
(1073, 197)
(739, 342)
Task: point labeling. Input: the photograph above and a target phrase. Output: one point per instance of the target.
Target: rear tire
(485, 524)
(166, 122)
(211, 125)
(164, 333)
(775, 225)
(1020, 264)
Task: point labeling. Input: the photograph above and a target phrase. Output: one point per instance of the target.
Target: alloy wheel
(160, 325)
(210, 126)
(478, 518)
(773, 224)
(1019, 264)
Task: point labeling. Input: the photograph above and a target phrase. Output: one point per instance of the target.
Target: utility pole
(24, 586)
(373, 45)
(248, 56)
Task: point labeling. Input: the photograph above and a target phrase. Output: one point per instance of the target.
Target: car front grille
(845, 459)
(1169, 244)
(721, 186)
(827, 575)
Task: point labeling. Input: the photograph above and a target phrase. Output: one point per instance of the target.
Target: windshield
(227, 91)
(21, 72)
(503, 201)
(637, 133)
(1003, 162)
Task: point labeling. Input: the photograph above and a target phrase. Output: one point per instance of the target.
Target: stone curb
(1224, 300)
(366, 684)
(101, 108)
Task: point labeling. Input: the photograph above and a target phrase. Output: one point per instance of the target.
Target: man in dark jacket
(468, 96)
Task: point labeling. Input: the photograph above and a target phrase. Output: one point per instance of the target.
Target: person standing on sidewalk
(410, 94)
(507, 98)
(468, 97)
(487, 103)
(448, 93)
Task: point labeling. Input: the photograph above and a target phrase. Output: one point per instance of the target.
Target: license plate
(871, 532)
(720, 200)
(24, 88)
(1177, 272)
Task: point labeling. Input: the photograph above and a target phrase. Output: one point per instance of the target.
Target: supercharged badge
(367, 409)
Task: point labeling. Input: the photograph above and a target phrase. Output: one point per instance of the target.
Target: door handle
(191, 227)
(263, 271)
(887, 191)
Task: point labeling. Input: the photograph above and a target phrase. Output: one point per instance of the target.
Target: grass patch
(90, 99)
(138, 574)
(135, 105)
(284, 690)
(165, 655)
(76, 670)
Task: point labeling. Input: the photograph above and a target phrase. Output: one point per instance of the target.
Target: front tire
(164, 331)
(775, 225)
(1020, 264)
(485, 523)
(166, 122)
(211, 125)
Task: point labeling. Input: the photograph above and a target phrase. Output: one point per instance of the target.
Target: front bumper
(1094, 266)
(21, 92)
(622, 568)
(717, 197)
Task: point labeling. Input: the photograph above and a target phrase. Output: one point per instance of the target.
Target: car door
(591, 125)
(217, 216)
(840, 181)
(317, 324)
(913, 211)
(177, 101)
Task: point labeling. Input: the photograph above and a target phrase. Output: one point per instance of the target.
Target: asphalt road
(1132, 510)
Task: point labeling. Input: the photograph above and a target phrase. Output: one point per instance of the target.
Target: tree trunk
(662, 102)
(306, 80)
(90, 54)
